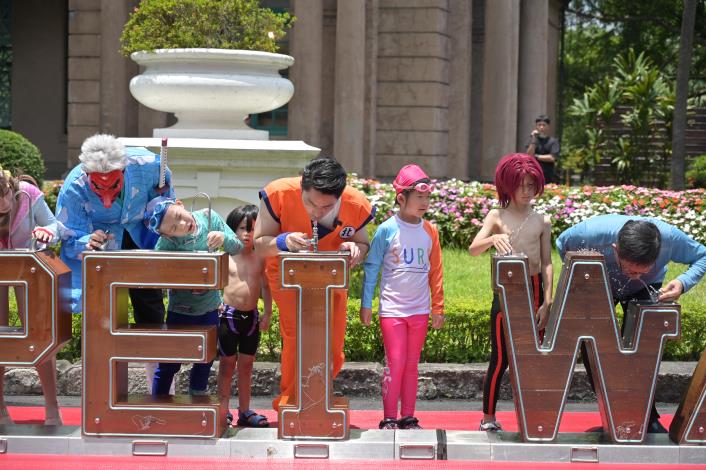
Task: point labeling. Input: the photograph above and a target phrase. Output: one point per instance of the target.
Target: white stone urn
(211, 91)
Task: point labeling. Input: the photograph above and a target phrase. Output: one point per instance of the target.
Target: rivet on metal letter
(97, 420)
(31, 347)
(586, 276)
(33, 270)
(509, 274)
(199, 348)
(98, 268)
(291, 272)
(666, 323)
(333, 272)
(204, 270)
(540, 428)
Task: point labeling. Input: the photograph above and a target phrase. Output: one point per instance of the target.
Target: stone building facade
(449, 84)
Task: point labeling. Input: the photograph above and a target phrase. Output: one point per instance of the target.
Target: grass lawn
(466, 275)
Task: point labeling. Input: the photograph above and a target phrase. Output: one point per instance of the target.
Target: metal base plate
(371, 444)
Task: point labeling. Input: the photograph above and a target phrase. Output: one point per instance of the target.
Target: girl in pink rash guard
(407, 249)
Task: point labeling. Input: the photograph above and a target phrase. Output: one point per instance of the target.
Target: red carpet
(450, 420)
(369, 419)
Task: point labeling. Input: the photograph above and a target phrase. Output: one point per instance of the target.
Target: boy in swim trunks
(240, 322)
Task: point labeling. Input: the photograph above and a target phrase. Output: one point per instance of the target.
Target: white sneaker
(492, 426)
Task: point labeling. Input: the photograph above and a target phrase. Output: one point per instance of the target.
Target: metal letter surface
(46, 284)
(314, 412)
(689, 422)
(109, 343)
(624, 368)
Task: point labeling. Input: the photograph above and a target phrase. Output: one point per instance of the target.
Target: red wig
(510, 172)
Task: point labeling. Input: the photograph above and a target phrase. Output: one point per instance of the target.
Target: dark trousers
(198, 378)
(498, 350)
(147, 304)
(644, 294)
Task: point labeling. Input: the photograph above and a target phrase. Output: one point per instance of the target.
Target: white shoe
(492, 426)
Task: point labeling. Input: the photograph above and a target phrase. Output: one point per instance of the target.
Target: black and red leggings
(498, 350)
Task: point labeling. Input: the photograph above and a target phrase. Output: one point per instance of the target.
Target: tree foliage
(221, 24)
(610, 27)
(636, 96)
(598, 31)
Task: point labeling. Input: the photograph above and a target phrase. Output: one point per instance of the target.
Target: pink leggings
(404, 338)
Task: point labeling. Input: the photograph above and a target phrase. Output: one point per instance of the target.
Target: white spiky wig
(102, 153)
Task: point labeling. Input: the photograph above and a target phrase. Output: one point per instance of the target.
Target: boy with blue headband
(181, 230)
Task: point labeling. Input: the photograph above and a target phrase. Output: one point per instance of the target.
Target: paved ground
(356, 404)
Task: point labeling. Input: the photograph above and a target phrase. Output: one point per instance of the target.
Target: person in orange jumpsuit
(288, 207)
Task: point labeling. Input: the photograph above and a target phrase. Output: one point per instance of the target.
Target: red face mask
(107, 185)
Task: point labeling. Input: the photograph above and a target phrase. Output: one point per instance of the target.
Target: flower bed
(459, 208)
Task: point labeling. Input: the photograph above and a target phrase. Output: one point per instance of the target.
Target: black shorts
(238, 331)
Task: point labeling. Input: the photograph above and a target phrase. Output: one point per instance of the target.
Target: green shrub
(696, 176)
(72, 350)
(17, 154)
(51, 193)
(221, 24)
(463, 339)
(465, 336)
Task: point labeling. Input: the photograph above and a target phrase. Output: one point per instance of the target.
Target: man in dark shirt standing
(544, 148)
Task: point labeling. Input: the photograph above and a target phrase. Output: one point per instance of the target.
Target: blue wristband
(282, 241)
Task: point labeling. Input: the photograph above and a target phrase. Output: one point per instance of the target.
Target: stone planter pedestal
(211, 91)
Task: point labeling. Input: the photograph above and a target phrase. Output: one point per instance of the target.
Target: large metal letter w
(624, 367)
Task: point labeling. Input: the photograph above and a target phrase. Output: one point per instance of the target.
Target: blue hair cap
(155, 211)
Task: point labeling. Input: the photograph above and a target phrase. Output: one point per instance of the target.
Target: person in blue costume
(637, 252)
(102, 206)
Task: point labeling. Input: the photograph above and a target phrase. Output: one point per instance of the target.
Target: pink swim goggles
(421, 187)
(407, 177)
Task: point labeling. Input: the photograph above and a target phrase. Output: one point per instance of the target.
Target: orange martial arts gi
(283, 199)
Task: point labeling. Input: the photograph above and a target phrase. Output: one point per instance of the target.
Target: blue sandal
(251, 419)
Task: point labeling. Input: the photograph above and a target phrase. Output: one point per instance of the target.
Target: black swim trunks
(238, 331)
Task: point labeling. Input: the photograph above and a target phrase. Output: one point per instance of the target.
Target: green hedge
(463, 339)
(18, 154)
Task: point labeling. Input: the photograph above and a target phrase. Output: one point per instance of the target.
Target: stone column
(118, 109)
(460, 28)
(500, 74)
(306, 47)
(349, 94)
(534, 59)
(553, 51)
(38, 78)
(371, 85)
(84, 74)
(413, 96)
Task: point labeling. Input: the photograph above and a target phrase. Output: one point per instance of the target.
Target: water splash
(588, 251)
(653, 293)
